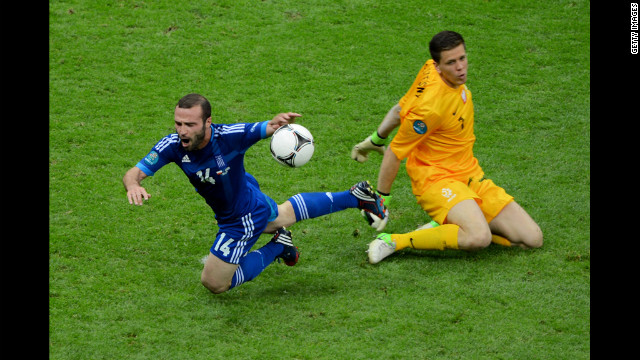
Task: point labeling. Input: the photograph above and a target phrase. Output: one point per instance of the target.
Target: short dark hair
(190, 100)
(442, 41)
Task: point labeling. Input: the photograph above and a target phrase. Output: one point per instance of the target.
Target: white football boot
(380, 248)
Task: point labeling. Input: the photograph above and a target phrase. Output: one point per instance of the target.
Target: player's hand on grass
(360, 152)
(137, 194)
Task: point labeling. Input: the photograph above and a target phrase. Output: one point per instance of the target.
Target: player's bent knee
(534, 239)
(215, 287)
(477, 240)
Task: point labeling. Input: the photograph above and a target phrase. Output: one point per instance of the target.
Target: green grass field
(124, 281)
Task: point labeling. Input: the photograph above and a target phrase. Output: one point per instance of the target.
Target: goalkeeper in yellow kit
(436, 136)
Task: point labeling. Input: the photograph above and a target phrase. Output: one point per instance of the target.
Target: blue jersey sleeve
(160, 155)
(263, 129)
(242, 136)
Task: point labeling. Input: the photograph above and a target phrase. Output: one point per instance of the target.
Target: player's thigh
(493, 197)
(506, 217)
(452, 202)
(440, 197)
(515, 224)
(233, 240)
(474, 233)
(286, 217)
(217, 274)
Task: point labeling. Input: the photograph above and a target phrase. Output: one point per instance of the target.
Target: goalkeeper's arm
(388, 172)
(378, 139)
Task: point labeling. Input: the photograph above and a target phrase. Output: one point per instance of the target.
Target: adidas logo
(185, 159)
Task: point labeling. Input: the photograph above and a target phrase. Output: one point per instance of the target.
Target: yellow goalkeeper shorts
(443, 195)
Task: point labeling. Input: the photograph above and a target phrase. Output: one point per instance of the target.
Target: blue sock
(255, 262)
(311, 205)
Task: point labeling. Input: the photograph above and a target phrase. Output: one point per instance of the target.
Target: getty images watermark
(634, 28)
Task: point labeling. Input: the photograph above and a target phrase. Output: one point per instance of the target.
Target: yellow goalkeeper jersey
(436, 131)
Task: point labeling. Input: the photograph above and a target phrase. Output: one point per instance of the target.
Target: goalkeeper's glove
(360, 152)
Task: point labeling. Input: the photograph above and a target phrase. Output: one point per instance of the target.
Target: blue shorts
(235, 238)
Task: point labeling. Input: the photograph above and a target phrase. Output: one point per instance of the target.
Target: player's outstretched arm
(131, 180)
(377, 140)
(280, 120)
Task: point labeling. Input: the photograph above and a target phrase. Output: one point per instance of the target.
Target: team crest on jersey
(420, 127)
(152, 158)
(220, 161)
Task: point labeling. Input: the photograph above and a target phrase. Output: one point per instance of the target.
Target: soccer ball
(292, 145)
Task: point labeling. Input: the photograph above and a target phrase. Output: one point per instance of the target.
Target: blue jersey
(217, 170)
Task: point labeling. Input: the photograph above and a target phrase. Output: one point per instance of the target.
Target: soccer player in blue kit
(212, 157)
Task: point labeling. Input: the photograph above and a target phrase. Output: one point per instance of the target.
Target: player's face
(191, 129)
(453, 66)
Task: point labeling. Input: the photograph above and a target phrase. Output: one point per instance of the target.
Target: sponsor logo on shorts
(448, 194)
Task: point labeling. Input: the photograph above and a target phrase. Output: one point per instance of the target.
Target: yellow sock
(500, 240)
(437, 238)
